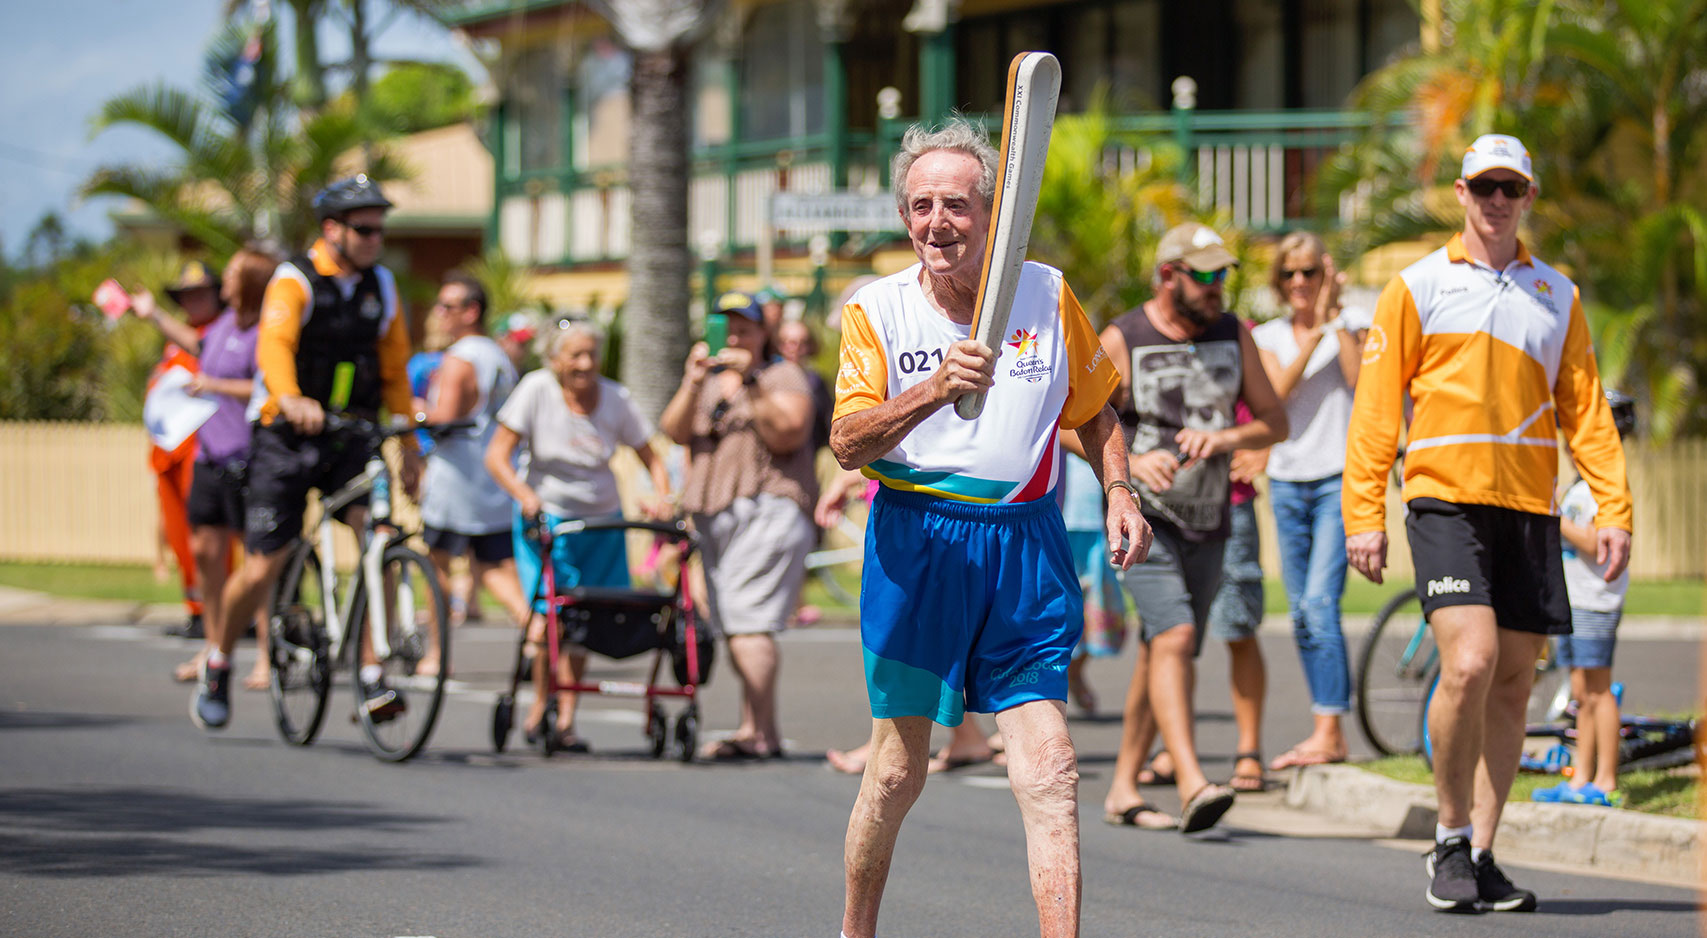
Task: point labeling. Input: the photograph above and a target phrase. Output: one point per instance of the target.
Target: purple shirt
(228, 351)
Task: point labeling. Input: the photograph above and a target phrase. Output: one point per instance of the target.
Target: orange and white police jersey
(1495, 363)
(1051, 374)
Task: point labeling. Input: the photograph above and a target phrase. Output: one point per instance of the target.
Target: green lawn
(1671, 792)
(1661, 597)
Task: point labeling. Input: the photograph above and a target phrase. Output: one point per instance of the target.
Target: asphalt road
(118, 817)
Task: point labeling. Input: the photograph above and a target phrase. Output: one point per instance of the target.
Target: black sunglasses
(1513, 188)
(1308, 273)
(366, 231)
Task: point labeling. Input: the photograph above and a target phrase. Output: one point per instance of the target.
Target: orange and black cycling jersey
(285, 345)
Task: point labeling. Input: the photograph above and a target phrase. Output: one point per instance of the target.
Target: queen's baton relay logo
(1028, 364)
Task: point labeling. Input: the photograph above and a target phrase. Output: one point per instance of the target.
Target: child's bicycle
(1550, 744)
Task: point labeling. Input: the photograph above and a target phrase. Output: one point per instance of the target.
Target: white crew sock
(1476, 854)
(1443, 833)
(217, 659)
(371, 673)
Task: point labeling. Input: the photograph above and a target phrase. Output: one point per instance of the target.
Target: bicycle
(314, 614)
(1397, 669)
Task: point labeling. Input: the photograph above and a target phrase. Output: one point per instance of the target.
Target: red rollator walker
(618, 623)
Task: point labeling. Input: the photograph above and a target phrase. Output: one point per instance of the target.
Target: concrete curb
(1596, 840)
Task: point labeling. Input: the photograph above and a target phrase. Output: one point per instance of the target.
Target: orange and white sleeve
(280, 331)
(862, 381)
(1092, 377)
(1390, 355)
(1586, 421)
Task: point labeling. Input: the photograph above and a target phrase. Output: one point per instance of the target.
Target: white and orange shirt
(1491, 366)
(1051, 374)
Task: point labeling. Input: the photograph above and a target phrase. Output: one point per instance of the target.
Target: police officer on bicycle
(332, 339)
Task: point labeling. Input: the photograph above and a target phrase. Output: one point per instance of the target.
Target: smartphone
(716, 332)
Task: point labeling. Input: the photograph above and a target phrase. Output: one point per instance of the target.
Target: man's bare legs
(1502, 738)
(1043, 772)
(1172, 678)
(1249, 681)
(1137, 733)
(894, 777)
(1476, 720)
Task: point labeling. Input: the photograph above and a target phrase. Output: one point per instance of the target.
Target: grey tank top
(1176, 385)
(458, 494)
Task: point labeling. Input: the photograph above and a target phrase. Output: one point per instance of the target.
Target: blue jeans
(1312, 563)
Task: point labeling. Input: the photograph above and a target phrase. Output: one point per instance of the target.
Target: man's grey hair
(958, 134)
(574, 328)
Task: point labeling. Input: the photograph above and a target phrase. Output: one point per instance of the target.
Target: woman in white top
(570, 420)
(1312, 354)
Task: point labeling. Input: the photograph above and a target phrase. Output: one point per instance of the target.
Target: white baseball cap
(1497, 151)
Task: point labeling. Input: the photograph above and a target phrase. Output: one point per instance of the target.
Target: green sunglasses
(1208, 278)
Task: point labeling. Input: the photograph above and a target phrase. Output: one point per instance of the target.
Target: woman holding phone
(745, 416)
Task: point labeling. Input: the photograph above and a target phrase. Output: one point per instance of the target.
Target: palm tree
(662, 35)
(236, 179)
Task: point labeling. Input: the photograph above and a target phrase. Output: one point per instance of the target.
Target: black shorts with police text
(1484, 555)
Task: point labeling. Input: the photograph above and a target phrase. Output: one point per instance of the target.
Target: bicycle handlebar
(336, 422)
(677, 530)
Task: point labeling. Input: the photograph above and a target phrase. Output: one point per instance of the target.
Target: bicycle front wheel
(1392, 675)
(299, 650)
(417, 624)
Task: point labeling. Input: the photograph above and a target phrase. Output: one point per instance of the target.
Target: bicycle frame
(377, 536)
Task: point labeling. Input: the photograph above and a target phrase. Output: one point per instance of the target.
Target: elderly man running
(970, 601)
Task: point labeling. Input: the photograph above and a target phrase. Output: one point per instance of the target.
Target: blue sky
(60, 59)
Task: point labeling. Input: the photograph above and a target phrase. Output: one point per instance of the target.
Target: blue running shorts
(965, 606)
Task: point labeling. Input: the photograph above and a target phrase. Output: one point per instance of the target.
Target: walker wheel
(687, 734)
(503, 719)
(657, 730)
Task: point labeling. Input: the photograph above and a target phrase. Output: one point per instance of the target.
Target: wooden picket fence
(83, 493)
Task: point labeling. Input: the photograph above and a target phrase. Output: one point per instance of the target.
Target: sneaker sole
(196, 716)
(1451, 905)
(1520, 904)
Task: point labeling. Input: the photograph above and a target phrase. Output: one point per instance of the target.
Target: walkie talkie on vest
(343, 379)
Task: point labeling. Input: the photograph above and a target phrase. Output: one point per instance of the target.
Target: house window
(601, 105)
(536, 90)
(782, 73)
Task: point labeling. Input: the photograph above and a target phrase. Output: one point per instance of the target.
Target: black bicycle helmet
(346, 195)
(1623, 411)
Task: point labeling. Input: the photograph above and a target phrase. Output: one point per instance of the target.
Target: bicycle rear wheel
(1392, 675)
(299, 650)
(417, 620)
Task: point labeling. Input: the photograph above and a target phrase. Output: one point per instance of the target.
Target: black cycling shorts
(283, 466)
(1484, 555)
(216, 496)
(485, 548)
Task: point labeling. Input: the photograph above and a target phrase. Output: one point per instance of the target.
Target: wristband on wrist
(1120, 484)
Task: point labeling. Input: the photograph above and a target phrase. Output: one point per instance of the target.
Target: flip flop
(1205, 808)
(950, 763)
(1243, 782)
(1149, 776)
(1144, 816)
(1299, 756)
(729, 750)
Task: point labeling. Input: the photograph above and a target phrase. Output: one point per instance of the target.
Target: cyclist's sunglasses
(1208, 278)
(1513, 188)
(366, 231)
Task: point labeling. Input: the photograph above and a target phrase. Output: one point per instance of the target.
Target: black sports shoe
(381, 702)
(210, 709)
(1496, 890)
(1454, 887)
(192, 628)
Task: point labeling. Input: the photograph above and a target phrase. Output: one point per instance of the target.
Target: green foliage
(416, 96)
(1610, 97)
(63, 359)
